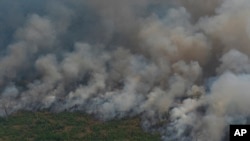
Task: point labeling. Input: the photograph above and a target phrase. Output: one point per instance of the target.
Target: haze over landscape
(182, 66)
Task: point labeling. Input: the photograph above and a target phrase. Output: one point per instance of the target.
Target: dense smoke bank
(183, 66)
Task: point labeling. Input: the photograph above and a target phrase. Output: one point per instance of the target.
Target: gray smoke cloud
(181, 66)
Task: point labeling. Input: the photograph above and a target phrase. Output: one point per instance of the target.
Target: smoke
(181, 66)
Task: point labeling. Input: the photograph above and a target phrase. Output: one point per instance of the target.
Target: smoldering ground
(182, 66)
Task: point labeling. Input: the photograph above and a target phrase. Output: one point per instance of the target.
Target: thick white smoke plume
(182, 66)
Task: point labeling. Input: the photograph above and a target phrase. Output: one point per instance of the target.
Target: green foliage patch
(67, 126)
